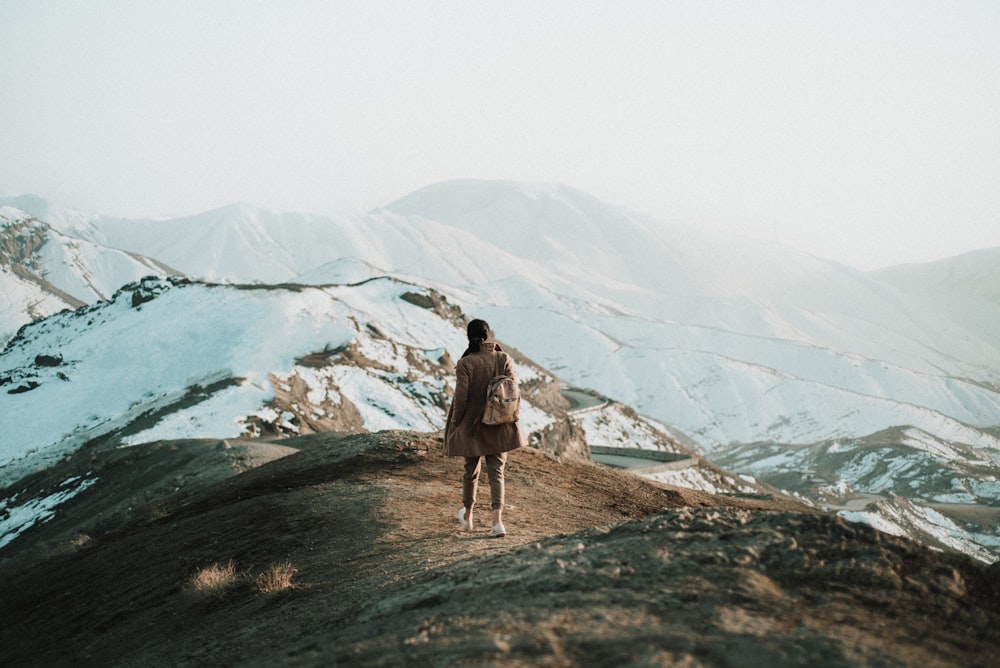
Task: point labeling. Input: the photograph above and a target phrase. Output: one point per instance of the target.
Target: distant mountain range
(768, 360)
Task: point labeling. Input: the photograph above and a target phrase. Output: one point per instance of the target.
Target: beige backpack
(503, 396)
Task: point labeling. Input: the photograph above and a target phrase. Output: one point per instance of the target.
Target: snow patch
(16, 518)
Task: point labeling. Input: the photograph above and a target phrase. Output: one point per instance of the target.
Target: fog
(864, 132)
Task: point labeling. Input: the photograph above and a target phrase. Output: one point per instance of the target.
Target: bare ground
(600, 568)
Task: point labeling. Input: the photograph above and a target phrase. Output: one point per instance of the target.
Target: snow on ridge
(610, 424)
(59, 217)
(665, 322)
(10, 216)
(745, 392)
(920, 378)
(900, 517)
(44, 270)
(702, 479)
(90, 272)
(152, 344)
(903, 461)
(16, 518)
(342, 271)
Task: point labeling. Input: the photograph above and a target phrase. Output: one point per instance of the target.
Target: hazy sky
(866, 132)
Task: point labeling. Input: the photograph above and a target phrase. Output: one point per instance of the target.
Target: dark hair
(478, 332)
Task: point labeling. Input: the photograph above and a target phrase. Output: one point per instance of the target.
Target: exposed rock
(563, 439)
(48, 360)
(334, 413)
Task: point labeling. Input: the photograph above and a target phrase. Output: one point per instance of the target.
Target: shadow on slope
(600, 567)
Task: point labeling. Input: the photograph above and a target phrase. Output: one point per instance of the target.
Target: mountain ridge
(353, 358)
(598, 566)
(760, 346)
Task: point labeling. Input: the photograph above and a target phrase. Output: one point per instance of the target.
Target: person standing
(466, 436)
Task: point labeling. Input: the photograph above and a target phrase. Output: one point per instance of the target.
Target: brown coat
(465, 435)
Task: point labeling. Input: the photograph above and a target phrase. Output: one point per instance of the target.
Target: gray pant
(495, 465)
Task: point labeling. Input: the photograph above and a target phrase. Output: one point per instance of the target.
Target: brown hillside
(600, 568)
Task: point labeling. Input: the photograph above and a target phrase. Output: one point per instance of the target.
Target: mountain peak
(33, 204)
(466, 202)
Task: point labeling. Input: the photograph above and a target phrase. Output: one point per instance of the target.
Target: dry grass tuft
(214, 578)
(277, 578)
(80, 541)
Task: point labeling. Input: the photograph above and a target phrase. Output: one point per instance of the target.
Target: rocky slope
(600, 567)
(43, 271)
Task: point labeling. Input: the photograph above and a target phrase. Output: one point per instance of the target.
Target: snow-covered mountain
(24, 294)
(43, 271)
(748, 349)
(728, 340)
(170, 359)
(898, 480)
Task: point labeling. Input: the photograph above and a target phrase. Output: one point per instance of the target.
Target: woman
(466, 436)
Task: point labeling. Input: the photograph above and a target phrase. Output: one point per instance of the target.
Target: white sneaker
(466, 526)
(498, 530)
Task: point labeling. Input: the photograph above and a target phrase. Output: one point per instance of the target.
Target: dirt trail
(600, 568)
